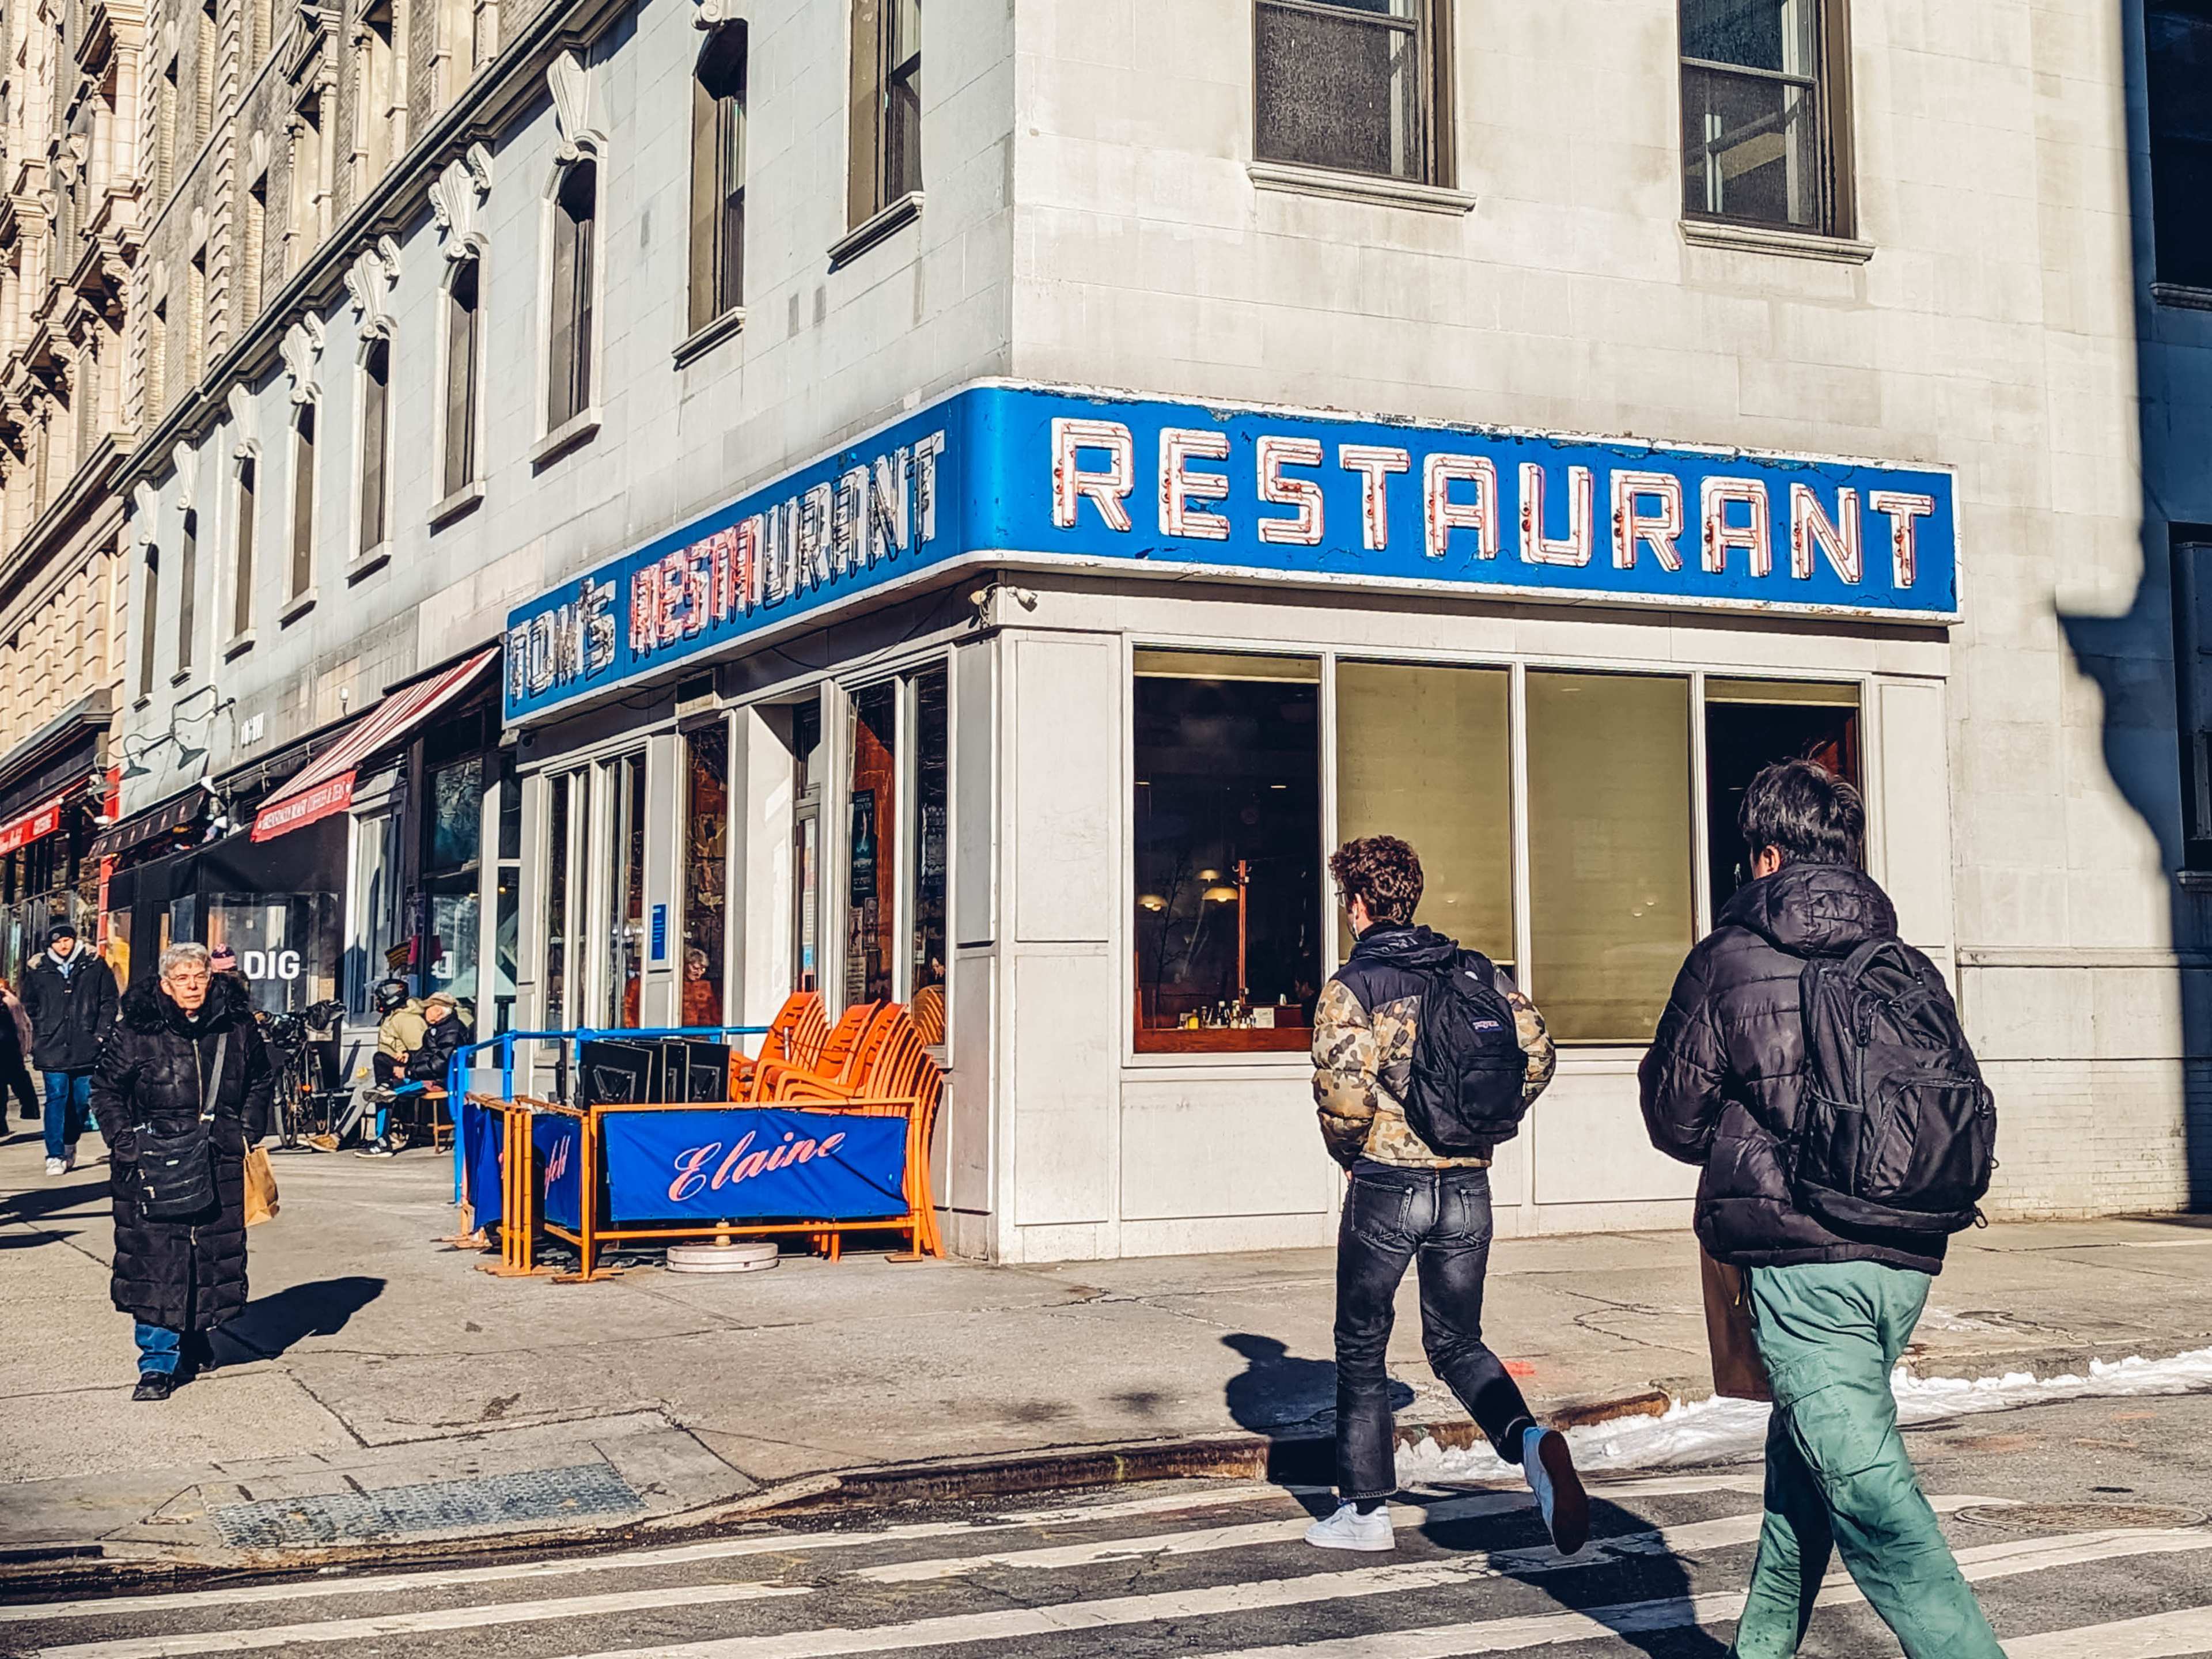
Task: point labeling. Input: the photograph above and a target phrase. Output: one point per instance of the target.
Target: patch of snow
(1714, 1430)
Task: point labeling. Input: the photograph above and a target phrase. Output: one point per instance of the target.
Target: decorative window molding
(145, 505)
(244, 425)
(181, 459)
(303, 351)
(712, 13)
(370, 280)
(458, 196)
(576, 114)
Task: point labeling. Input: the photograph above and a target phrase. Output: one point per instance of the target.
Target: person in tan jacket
(1408, 1202)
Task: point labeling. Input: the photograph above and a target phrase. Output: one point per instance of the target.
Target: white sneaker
(56, 1167)
(1550, 1471)
(1348, 1529)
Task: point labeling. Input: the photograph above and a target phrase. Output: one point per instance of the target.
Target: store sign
(1015, 475)
(334, 795)
(753, 1163)
(41, 820)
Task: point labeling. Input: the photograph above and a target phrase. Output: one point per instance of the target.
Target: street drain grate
(388, 1512)
(2079, 1517)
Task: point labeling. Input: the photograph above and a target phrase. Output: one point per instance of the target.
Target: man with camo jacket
(1408, 1203)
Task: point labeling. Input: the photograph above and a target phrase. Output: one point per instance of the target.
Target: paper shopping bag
(261, 1188)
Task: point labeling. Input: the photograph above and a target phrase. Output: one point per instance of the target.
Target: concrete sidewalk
(381, 1394)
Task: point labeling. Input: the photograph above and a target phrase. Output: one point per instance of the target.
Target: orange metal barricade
(518, 1178)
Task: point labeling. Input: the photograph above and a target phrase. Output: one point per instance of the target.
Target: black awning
(172, 814)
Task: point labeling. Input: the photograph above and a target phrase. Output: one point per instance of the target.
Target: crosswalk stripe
(411, 1623)
(1991, 1561)
(1733, 1530)
(1208, 1601)
(319, 1587)
(2155, 1636)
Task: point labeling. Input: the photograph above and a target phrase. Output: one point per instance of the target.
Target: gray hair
(178, 955)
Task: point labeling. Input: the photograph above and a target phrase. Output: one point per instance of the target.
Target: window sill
(566, 436)
(894, 217)
(1358, 187)
(469, 497)
(298, 608)
(1765, 238)
(143, 701)
(1270, 1040)
(369, 563)
(730, 322)
(2181, 296)
(238, 644)
(182, 677)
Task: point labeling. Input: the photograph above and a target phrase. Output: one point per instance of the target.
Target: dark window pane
(149, 597)
(375, 438)
(188, 572)
(242, 598)
(1340, 91)
(456, 814)
(706, 866)
(2178, 39)
(1768, 35)
(871, 847)
(556, 902)
(303, 499)
(1750, 149)
(1228, 847)
(569, 370)
(461, 321)
(931, 823)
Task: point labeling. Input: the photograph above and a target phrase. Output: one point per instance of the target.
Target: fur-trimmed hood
(147, 1008)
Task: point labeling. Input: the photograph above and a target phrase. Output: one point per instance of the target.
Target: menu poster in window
(861, 887)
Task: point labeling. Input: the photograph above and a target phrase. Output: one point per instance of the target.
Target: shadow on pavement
(34, 1202)
(1277, 1392)
(272, 1324)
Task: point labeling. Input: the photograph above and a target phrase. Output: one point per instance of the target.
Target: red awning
(41, 820)
(324, 784)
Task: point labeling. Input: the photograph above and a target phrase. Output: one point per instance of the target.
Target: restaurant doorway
(808, 769)
(1751, 724)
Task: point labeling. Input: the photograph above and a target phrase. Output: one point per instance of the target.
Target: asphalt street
(2083, 1525)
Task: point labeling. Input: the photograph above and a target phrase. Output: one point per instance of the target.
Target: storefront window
(456, 922)
(807, 846)
(1423, 754)
(376, 896)
(1750, 724)
(288, 944)
(557, 900)
(507, 953)
(706, 872)
(871, 867)
(1609, 835)
(626, 917)
(456, 813)
(932, 798)
(1228, 847)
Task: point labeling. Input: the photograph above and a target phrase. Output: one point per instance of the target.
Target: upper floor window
(375, 445)
(884, 162)
(188, 552)
(2178, 39)
(568, 356)
(149, 626)
(1357, 86)
(241, 593)
(464, 335)
(718, 177)
(303, 499)
(1766, 111)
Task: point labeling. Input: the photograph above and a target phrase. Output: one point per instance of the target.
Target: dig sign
(270, 964)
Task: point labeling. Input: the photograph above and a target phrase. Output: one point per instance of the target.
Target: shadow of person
(1639, 1591)
(267, 1327)
(34, 1202)
(1293, 1401)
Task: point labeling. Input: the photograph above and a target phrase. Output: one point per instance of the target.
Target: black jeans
(1392, 1216)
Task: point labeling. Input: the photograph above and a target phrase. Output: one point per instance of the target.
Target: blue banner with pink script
(757, 1163)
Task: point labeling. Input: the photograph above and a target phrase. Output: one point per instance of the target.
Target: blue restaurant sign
(1010, 475)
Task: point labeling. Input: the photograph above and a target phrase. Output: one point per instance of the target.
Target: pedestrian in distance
(15, 1071)
(400, 1029)
(445, 1034)
(1813, 1065)
(70, 994)
(1425, 1057)
(183, 1090)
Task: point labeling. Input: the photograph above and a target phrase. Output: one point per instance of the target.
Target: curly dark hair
(1382, 872)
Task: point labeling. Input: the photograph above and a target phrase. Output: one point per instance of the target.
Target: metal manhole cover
(2079, 1517)
(490, 1501)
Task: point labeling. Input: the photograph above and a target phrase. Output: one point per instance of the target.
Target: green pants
(1836, 1473)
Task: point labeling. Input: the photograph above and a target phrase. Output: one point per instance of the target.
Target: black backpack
(1899, 1131)
(1463, 1092)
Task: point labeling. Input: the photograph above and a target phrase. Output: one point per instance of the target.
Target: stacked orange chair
(795, 1037)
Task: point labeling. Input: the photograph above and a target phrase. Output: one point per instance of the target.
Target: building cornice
(512, 82)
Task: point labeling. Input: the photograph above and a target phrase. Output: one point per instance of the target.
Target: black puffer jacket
(70, 1013)
(1724, 1082)
(442, 1040)
(181, 1275)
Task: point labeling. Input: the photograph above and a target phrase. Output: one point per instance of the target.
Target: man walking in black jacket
(69, 994)
(1724, 1087)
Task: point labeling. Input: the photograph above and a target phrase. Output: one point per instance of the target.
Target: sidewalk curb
(852, 1495)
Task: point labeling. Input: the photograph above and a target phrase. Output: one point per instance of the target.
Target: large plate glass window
(624, 779)
(706, 872)
(1228, 851)
(1751, 724)
(1426, 753)
(807, 762)
(2177, 52)
(1765, 107)
(1611, 908)
(451, 883)
(568, 841)
(1357, 86)
(288, 944)
(932, 826)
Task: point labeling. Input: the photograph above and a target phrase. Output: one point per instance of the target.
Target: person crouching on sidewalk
(1725, 1087)
(1408, 1204)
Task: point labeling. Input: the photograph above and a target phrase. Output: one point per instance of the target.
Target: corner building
(972, 502)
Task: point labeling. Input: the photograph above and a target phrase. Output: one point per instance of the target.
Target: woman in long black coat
(180, 1279)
